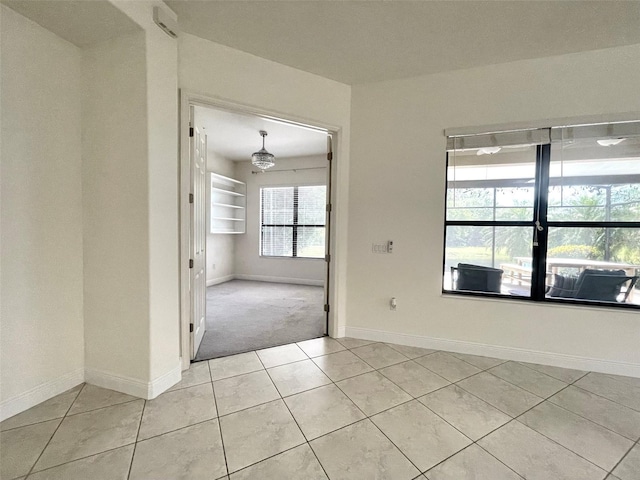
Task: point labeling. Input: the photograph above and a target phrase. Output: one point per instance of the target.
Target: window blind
(293, 221)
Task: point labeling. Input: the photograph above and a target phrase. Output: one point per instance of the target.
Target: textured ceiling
(236, 136)
(366, 41)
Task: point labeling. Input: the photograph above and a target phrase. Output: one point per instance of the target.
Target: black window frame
(539, 239)
(294, 226)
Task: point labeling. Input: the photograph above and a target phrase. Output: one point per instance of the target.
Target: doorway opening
(259, 239)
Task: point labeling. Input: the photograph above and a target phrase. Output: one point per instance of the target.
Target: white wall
(249, 264)
(116, 229)
(223, 73)
(130, 176)
(397, 193)
(41, 349)
(221, 250)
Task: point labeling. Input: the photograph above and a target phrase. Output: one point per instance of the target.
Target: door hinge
(326, 307)
(191, 263)
(328, 207)
(330, 156)
(191, 198)
(327, 258)
(191, 131)
(191, 328)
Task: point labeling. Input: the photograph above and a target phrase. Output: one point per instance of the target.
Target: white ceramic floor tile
(234, 365)
(353, 342)
(528, 379)
(21, 447)
(634, 381)
(92, 432)
(191, 453)
(299, 463)
(469, 414)
(593, 442)
(51, 409)
(178, 409)
(479, 361)
(420, 434)
(598, 409)
(410, 352)
(92, 398)
(244, 391)
(414, 378)
(341, 365)
(320, 346)
(448, 366)
(503, 395)
(197, 374)
(611, 388)
(361, 452)
(629, 467)
(566, 375)
(535, 457)
(472, 463)
(322, 410)
(111, 465)
(297, 377)
(379, 355)
(257, 433)
(373, 393)
(272, 357)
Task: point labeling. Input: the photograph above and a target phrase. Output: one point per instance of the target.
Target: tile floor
(346, 409)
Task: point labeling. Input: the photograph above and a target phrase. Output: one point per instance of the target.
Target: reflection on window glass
(482, 249)
(608, 256)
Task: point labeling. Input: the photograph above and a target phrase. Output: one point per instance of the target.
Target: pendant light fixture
(263, 159)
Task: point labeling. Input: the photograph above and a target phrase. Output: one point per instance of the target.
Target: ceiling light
(263, 159)
(609, 142)
(488, 150)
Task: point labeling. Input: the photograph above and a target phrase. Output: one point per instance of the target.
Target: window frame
(539, 251)
(294, 226)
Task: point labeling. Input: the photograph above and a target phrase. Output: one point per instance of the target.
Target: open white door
(198, 235)
(327, 237)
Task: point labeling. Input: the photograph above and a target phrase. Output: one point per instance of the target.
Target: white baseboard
(132, 386)
(272, 279)
(217, 281)
(45, 391)
(506, 353)
(166, 381)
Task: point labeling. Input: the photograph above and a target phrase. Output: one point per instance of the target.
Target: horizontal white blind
(499, 139)
(602, 131)
(293, 221)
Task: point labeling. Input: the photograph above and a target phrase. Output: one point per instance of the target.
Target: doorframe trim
(335, 323)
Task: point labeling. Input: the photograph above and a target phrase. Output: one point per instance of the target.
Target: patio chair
(596, 285)
(476, 278)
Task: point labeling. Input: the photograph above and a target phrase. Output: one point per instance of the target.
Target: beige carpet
(244, 315)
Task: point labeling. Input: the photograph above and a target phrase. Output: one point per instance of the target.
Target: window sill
(549, 303)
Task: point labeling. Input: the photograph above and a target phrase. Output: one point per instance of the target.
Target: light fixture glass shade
(263, 159)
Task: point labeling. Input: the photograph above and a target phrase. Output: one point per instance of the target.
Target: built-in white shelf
(228, 205)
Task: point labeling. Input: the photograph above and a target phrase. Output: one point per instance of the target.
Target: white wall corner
(44, 391)
(506, 353)
(166, 381)
(132, 386)
(272, 279)
(342, 332)
(217, 281)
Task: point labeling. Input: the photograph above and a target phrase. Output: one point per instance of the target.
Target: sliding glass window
(547, 214)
